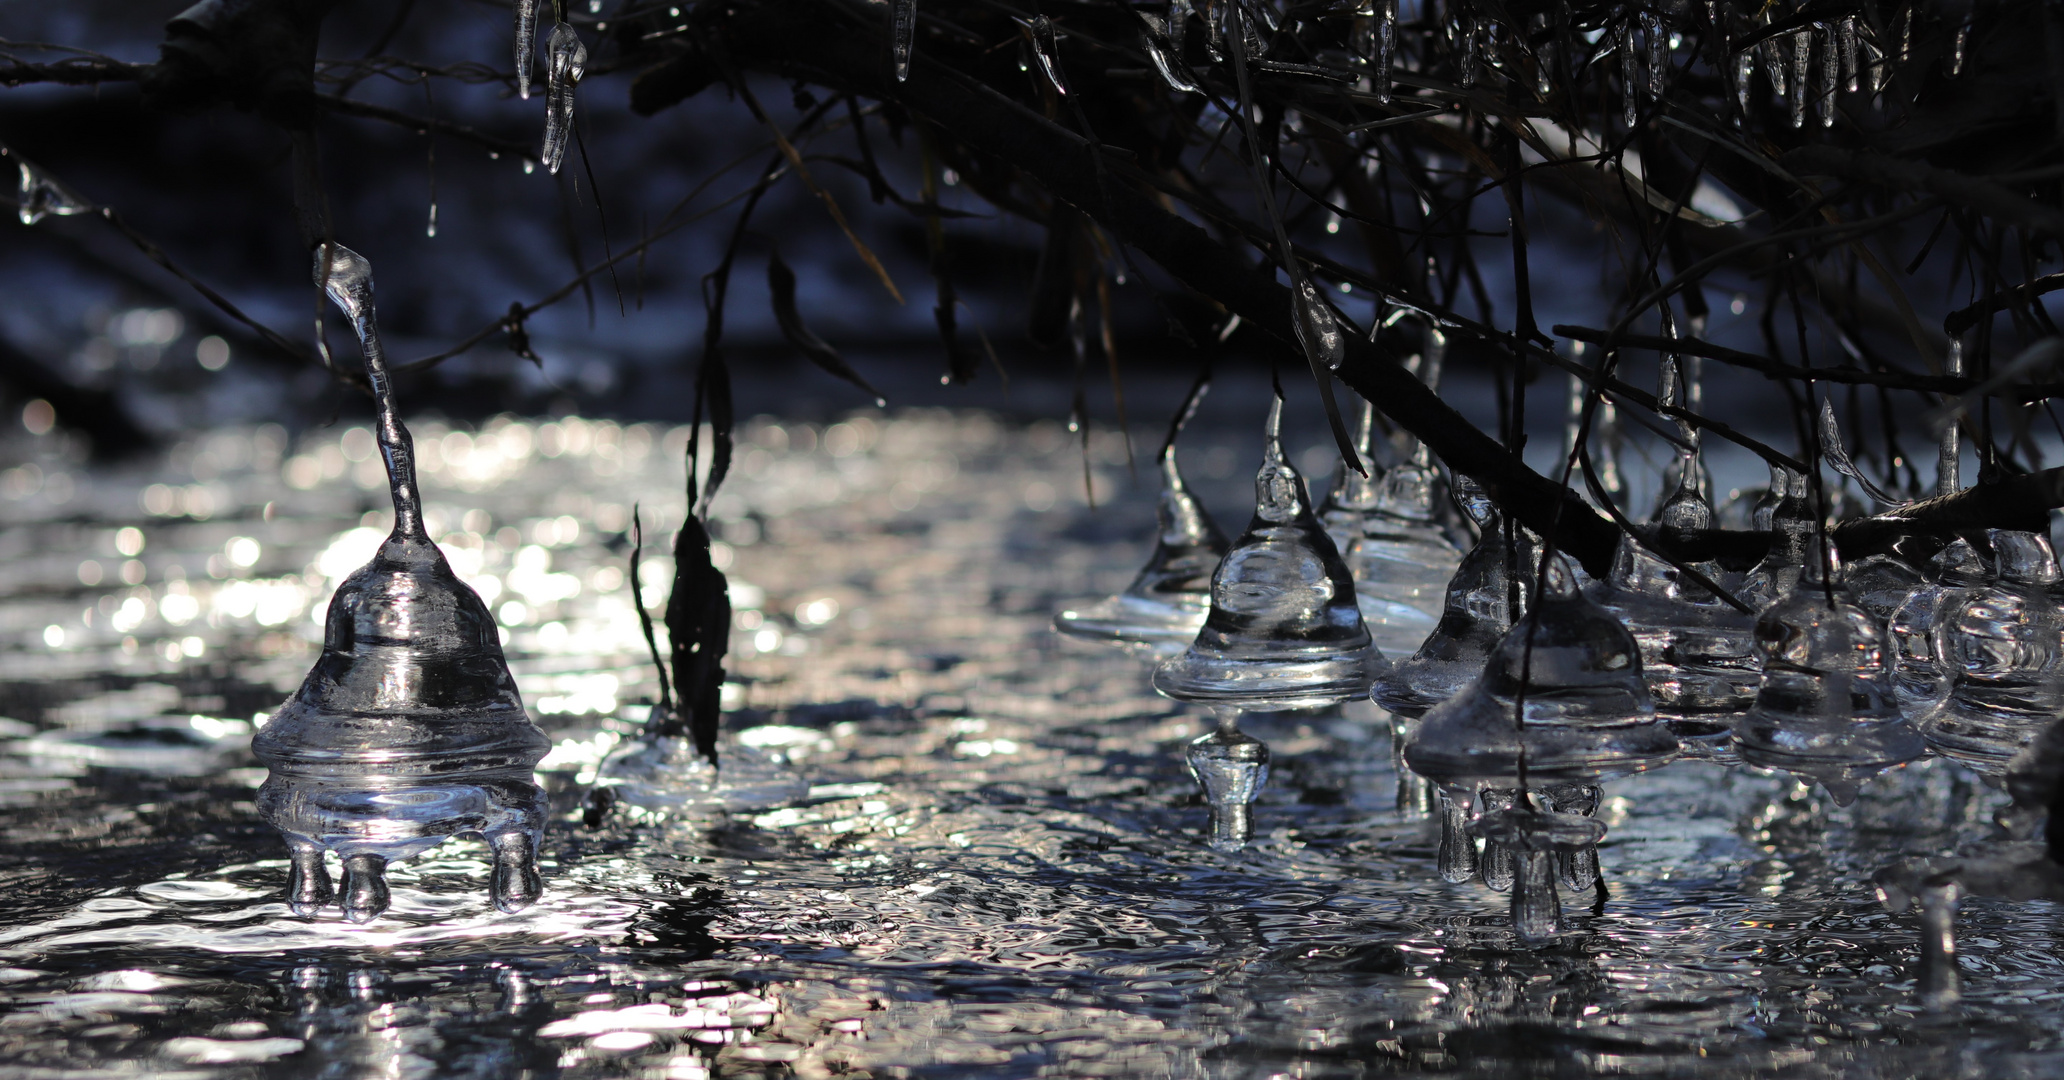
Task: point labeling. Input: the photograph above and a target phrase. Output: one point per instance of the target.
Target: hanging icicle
(1630, 74)
(1386, 45)
(1846, 31)
(1046, 46)
(526, 40)
(1658, 61)
(902, 35)
(568, 61)
(1161, 37)
(1802, 64)
(1830, 79)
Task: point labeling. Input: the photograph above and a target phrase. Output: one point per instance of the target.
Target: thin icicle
(1802, 64)
(1047, 48)
(1956, 50)
(1830, 79)
(568, 61)
(1658, 62)
(1214, 27)
(1847, 30)
(1948, 466)
(1538, 30)
(902, 35)
(1880, 67)
(1161, 37)
(1472, 51)
(1386, 46)
(526, 40)
(1774, 64)
(43, 196)
(1630, 73)
(1744, 80)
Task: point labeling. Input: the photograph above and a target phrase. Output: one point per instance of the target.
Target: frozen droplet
(42, 195)
(431, 229)
(1046, 47)
(1162, 37)
(902, 35)
(1232, 767)
(1284, 631)
(1165, 605)
(1744, 76)
(526, 40)
(568, 60)
(409, 728)
(1318, 329)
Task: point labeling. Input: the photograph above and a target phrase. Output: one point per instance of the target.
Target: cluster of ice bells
(1521, 685)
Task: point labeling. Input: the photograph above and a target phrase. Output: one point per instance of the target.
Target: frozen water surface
(999, 866)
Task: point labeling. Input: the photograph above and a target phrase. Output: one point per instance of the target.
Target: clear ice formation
(1231, 767)
(664, 775)
(1824, 710)
(1562, 697)
(1789, 520)
(1401, 559)
(526, 40)
(1283, 631)
(902, 35)
(409, 729)
(1999, 645)
(1696, 651)
(1165, 605)
(43, 196)
(1918, 681)
(1536, 840)
(567, 61)
(1161, 36)
(1046, 47)
(1880, 583)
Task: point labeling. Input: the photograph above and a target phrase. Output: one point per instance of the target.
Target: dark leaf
(781, 281)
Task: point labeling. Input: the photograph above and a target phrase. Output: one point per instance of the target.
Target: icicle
(348, 281)
(1906, 17)
(1214, 27)
(1880, 67)
(1386, 45)
(1162, 38)
(42, 196)
(1047, 48)
(1472, 50)
(1744, 74)
(568, 61)
(1940, 982)
(432, 230)
(1629, 73)
(1317, 328)
(1830, 78)
(1956, 50)
(1658, 63)
(1847, 31)
(1948, 467)
(526, 40)
(1538, 30)
(902, 35)
(1802, 63)
(1774, 65)
(1455, 859)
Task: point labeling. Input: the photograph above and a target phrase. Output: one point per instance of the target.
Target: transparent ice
(902, 35)
(1999, 646)
(1563, 691)
(1401, 558)
(1231, 767)
(1918, 681)
(1165, 605)
(1283, 631)
(1824, 709)
(1535, 840)
(568, 60)
(1802, 63)
(1880, 583)
(43, 196)
(1790, 521)
(664, 775)
(526, 40)
(409, 729)
(1047, 48)
(1477, 614)
(1162, 38)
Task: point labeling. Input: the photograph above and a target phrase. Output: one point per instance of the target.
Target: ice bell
(1562, 697)
(1918, 679)
(1385, 527)
(409, 729)
(1165, 605)
(1283, 631)
(2000, 646)
(1824, 708)
(1880, 583)
(1696, 650)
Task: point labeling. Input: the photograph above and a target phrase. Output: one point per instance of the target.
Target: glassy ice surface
(1477, 615)
(1385, 527)
(1696, 650)
(409, 729)
(1824, 710)
(1918, 679)
(1998, 646)
(998, 840)
(1563, 689)
(1284, 631)
(1165, 605)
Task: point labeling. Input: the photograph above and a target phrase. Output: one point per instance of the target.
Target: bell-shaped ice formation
(1165, 605)
(1918, 679)
(1561, 698)
(2000, 646)
(409, 729)
(1824, 709)
(1535, 840)
(1385, 527)
(1790, 522)
(1880, 584)
(1480, 603)
(1283, 631)
(1696, 651)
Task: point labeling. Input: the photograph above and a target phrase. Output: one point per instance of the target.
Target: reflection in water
(998, 864)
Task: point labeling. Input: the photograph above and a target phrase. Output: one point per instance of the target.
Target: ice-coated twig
(1162, 39)
(568, 62)
(526, 40)
(1838, 457)
(347, 278)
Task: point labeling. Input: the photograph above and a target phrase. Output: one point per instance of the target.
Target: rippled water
(999, 867)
